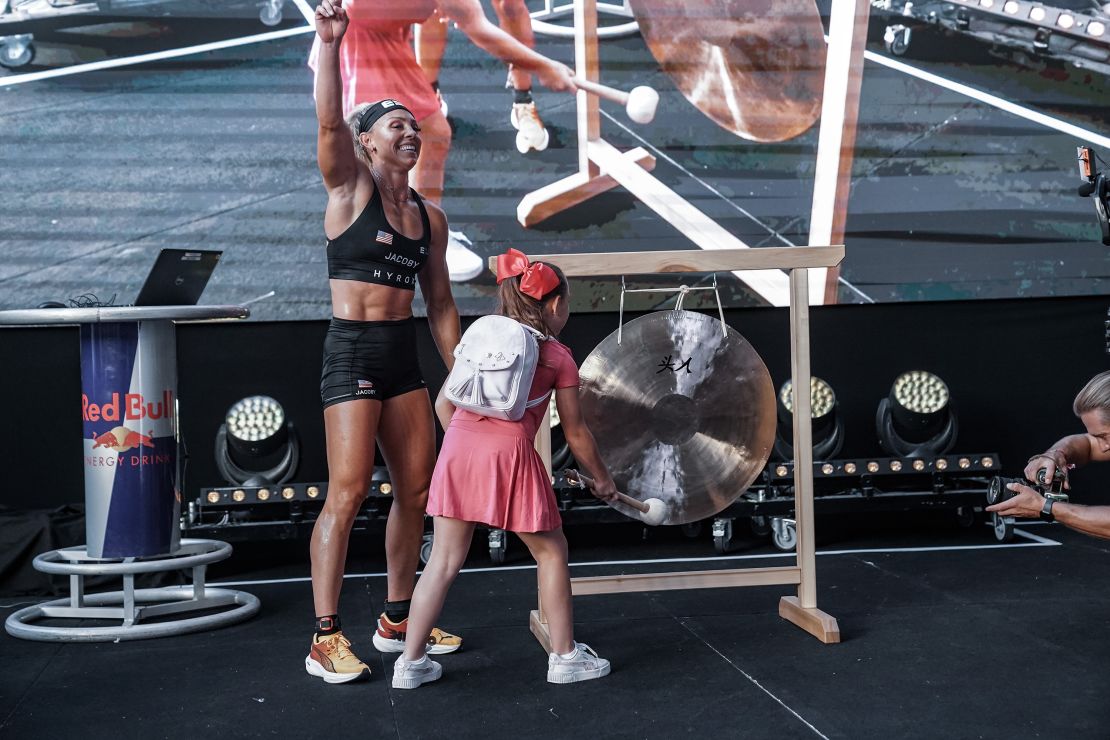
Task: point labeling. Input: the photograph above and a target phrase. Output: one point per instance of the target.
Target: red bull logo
(122, 439)
(127, 407)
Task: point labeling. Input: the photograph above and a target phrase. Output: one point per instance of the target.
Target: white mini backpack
(494, 366)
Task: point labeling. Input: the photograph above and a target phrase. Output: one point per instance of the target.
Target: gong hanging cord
(682, 291)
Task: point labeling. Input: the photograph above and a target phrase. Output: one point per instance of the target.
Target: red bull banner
(128, 411)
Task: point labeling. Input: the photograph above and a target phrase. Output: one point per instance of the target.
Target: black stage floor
(945, 634)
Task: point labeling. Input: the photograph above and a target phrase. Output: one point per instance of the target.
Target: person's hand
(556, 76)
(1027, 503)
(605, 489)
(1051, 461)
(331, 20)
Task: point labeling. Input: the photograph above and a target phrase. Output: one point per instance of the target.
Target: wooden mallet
(652, 511)
(639, 104)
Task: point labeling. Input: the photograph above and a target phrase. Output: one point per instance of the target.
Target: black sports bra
(372, 251)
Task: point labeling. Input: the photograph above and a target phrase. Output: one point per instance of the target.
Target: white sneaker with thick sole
(582, 665)
(410, 675)
(462, 263)
(530, 131)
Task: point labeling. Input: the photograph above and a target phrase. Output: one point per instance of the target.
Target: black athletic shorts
(369, 359)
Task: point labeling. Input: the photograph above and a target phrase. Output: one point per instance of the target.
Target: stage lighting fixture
(1065, 21)
(1036, 14)
(256, 445)
(1096, 28)
(916, 418)
(828, 426)
(1011, 7)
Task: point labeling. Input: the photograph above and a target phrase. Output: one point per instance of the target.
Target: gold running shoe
(390, 638)
(332, 660)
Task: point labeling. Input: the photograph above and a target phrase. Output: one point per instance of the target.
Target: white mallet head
(641, 105)
(656, 513)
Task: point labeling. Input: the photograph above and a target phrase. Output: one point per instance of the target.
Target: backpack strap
(537, 401)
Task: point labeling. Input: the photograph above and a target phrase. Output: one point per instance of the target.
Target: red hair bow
(536, 278)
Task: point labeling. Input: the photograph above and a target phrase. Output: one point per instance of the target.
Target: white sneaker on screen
(530, 131)
(462, 263)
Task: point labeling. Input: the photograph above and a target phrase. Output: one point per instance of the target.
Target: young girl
(489, 472)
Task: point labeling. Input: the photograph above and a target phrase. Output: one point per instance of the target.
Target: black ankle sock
(327, 624)
(522, 96)
(397, 611)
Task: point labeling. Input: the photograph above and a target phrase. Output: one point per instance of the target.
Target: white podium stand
(129, 412)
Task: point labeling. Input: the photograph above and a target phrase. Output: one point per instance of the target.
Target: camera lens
(994, 492)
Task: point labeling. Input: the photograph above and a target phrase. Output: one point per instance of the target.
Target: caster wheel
(722, 535)
(760, 526)
(270, 15)
(896, 39)
(784, 534)
(18, 54)
(498, 544)
(1003, 527)
(426, 549)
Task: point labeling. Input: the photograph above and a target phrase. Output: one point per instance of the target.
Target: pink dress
(377, 59)
(488, 470)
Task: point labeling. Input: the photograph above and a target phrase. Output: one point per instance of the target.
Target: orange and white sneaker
(530, 131)
(331, 659)
(390, 638)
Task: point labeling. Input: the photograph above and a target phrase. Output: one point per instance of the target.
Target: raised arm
(435, 284)
(471, 20)
(335, 152)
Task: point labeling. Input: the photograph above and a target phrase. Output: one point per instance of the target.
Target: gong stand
(601, 167)
(801, 609)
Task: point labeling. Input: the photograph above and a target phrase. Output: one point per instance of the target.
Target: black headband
(371, 115)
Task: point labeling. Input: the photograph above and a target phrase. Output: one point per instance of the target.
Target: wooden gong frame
(796, 261)
(601, 166)
(778, 275)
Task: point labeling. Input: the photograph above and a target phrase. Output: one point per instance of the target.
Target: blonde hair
(524, 308)
(353, 121)
(1095, 396)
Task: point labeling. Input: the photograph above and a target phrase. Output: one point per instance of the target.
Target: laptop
(178, 277)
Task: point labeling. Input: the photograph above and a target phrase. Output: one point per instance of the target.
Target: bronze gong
(680, 411)
(755, 67)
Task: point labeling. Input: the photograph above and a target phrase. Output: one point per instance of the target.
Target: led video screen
(127, 127)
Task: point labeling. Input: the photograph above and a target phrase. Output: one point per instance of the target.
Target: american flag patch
(384, 237)
(365, 384)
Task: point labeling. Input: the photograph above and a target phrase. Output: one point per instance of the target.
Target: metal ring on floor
(130, 606)
(18, 624)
